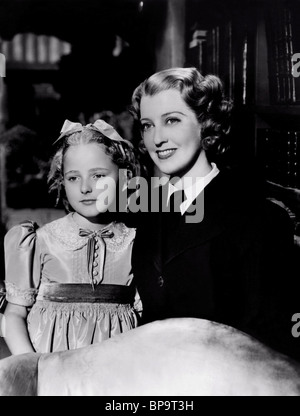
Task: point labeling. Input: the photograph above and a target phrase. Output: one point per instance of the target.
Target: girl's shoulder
(63, 222)
(21, 235)
(64, 232)
(123, 236)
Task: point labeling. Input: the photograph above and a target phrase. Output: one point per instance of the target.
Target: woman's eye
(172, 120)
(145, 127)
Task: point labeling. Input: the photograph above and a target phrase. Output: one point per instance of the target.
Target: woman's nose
(85, 187)
(159, 137)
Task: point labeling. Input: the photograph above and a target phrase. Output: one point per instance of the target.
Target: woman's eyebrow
(173, 112)
(165, 115)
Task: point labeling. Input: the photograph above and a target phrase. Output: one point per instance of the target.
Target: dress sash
(84, 293)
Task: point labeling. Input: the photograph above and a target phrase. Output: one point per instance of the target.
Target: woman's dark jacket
(232, 267)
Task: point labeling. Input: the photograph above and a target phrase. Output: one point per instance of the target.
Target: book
(280, 52)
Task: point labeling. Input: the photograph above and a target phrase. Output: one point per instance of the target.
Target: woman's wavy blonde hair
(204, 95)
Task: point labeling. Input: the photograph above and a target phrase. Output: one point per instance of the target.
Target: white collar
(192, 187)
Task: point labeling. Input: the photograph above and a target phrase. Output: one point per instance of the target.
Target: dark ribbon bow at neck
(93, 238)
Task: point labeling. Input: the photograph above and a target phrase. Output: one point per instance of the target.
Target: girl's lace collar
(66, 231)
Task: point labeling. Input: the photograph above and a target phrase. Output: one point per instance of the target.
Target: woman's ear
(129, 174)
(142, 147)
(200, 132)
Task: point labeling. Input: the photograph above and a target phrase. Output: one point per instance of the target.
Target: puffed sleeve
(22, 264)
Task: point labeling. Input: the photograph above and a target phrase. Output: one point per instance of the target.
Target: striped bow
(99, 125)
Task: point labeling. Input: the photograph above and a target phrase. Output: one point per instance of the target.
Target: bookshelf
(280, 52)
(278, 110)
(277, 104)
(278, 155)
(251, 45)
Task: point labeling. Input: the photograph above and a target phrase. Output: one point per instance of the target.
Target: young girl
(69, 283)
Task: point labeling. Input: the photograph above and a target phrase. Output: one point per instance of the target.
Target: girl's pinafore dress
(76, 284)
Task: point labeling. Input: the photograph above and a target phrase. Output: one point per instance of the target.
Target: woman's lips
(165, 154)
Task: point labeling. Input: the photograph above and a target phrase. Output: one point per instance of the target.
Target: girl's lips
(88, 201)
(165, 154)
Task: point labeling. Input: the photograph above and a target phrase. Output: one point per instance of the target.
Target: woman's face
(87, 170)
(171, 132)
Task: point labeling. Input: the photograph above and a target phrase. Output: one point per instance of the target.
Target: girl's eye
(72, 178)
(172, 120)
(98, 175)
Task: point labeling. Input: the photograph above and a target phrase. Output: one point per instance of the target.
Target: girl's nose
(85, 187)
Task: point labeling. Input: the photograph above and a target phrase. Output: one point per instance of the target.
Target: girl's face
(171, 132)
(87, 168)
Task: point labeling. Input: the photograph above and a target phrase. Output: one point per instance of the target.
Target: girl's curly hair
(204, 95)
(121, 153)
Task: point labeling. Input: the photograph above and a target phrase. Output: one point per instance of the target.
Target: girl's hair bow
(99, 125)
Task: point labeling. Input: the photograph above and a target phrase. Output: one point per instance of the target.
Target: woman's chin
(167, 167)
(171, 170)
(174, 170)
